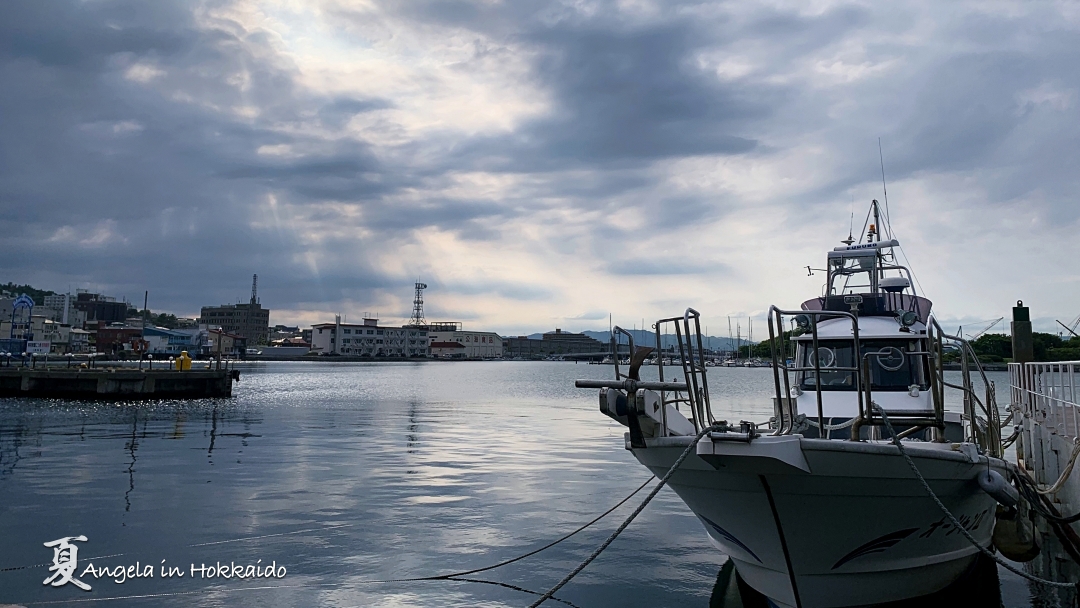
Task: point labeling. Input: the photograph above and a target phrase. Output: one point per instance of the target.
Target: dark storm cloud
(88, 152)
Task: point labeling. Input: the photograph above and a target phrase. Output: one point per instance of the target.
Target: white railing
(1047, 393)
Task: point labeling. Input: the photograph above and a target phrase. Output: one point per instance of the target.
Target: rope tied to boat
(637, 511)
(802, 419)
(1053, 489)
(952, 519)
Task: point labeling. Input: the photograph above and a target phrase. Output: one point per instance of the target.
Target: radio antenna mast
(417, 319)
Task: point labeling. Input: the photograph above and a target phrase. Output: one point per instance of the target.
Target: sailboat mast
(729, 336)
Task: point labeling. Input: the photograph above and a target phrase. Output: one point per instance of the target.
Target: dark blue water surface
(348, 475)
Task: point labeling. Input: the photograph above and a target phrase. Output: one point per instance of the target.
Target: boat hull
(817, 523)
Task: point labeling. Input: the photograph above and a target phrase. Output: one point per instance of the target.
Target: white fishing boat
(818, 507)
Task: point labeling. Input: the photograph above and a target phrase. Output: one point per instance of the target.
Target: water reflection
(979, 586)
(132, 445)
(352, 474)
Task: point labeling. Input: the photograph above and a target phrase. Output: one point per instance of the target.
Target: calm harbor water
(351, 475)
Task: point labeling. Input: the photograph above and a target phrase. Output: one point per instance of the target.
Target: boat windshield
(893, 371)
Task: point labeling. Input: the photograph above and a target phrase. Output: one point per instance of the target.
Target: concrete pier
(116, 383)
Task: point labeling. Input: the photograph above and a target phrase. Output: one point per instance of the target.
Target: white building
(61, 308)
(369, 339)
(459, 344)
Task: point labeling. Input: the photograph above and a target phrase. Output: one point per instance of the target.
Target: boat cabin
(866, 282)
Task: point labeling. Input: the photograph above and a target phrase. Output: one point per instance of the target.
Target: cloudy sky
(537, 164)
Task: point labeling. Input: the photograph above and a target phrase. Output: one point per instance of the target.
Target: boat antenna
(884, 190)
(851, 224)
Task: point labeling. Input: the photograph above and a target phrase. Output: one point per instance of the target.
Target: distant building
(523, 347)
(250, 320)
(226, 344)
(78, 341)
(172, 342)
(448, 340)
(369, 339)
(116, 337)
(556, 342)
(561, 342)
(283, 332)
(39, 329)
(61, 308)
(98, 308)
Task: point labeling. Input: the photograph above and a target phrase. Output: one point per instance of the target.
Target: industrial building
(369, 339)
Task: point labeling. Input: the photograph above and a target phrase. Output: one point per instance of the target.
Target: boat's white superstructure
(817, 508)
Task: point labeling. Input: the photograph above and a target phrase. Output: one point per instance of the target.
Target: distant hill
(38, 295)
(645, 338)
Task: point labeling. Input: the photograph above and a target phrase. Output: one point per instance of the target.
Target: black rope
(529, 554)
(952, 519)
(638, 510)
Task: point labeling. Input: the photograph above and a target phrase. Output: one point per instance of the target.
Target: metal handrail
(868, 416)
(615, 348)
(1033, 387)
(992, 442)
(776, 347)
(692, 364)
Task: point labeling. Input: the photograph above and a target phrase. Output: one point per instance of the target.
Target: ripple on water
(355, 473)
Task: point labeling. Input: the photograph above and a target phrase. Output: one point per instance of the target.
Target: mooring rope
(1053, 489)
(530, 553)
(953, 520)
(828, 427)
(637, 511)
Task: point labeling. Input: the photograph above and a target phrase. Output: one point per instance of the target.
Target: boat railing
(692, 392)
(779, 344)
(915, 420)
(615, 332)
(988, 438)
(691, 360)
(1048, 393)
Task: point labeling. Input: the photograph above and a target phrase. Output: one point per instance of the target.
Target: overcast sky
(537, 164)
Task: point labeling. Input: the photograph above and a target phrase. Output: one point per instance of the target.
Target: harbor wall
(116, 383)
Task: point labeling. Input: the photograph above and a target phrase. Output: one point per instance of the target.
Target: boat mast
(730, 338)
(877, 232)
(749, 338)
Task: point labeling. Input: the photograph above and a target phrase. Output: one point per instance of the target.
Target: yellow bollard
(183, 362)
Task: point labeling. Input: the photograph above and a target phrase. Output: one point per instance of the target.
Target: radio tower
(254, 288)
(417, 319)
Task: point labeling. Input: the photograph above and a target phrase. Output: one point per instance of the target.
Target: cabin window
(893, 371)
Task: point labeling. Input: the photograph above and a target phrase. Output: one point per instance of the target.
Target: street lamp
(150, 362)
